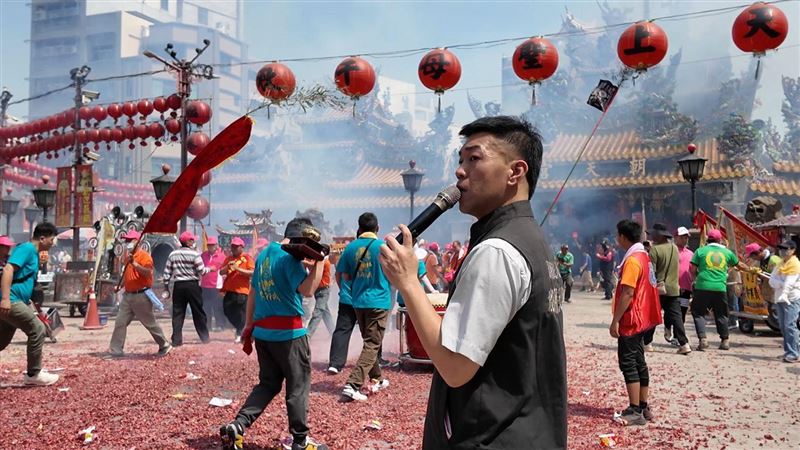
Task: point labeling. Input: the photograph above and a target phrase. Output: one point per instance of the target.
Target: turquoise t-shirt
(345, 288)
(421, 272)
(275, 280)
(370, 288)
(25, 259)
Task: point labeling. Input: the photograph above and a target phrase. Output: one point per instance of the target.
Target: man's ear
(519, 170)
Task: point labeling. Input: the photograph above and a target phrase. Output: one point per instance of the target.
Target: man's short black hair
(296, 226)
(520, 134)
(368, 223)
(631, 230)
(44, 229)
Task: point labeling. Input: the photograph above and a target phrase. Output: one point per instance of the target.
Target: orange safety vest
(644, 311)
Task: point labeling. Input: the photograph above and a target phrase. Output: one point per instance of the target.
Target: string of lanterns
(51, 134)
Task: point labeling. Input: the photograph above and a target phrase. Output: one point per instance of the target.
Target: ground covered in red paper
(745, 398)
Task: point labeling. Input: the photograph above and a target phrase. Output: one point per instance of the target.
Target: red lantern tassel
(439, 108)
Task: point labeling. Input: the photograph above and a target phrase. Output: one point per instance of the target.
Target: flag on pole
(602, 95)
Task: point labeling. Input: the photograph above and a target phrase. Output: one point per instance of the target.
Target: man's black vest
(518, 399)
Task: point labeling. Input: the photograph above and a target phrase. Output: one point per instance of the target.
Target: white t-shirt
(492, 286)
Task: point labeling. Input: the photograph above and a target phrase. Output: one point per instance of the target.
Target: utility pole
(78, 76)
(186, 70)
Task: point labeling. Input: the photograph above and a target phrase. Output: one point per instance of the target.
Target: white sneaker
(353, 394)
(40, 379)
(376, 386)
(238, 340)
(333, 370)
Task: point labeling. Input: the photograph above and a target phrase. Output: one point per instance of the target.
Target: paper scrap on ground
(87, 435)
(180, 396)
(191, 363)
(231, 352)
(56, 370)
(221, 402)
(63, 389)
(373, 425)
(191, 376)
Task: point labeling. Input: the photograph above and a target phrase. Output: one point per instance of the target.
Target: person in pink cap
(5, 249)
(710, 266)
(213, 258)
(237, 270)
(184, 268)
(137, 278)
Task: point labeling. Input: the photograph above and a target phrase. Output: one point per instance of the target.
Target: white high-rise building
(110, 38)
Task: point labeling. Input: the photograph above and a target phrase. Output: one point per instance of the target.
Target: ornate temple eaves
(776, 186)
(331, 203)
(371, 177)
(621, 146)
(713, 173)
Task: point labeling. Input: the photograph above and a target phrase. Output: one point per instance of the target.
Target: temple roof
(713, 173)
(786, 166)
(621, 146)
(369, 177)
(374, 202)
(776, 186)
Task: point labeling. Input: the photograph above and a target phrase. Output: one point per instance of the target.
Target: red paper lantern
(85, 113)
(160, 104)
(83, 137)
(174, 101)
(439, 70)
(117, 135)
(156, 130)
(173, 126)
(275, 81)
(198, 113)
(205, 179)
(99, 113)
(355, 77)
(115, 111)
(52, 122)
(130, 133)
(93, 135)
(142, 131)
(129, 109)
(105, 134)
(535, 60)
(760, 27)
(197, 142)
(199, 208)
(642, 45)
(144, 107)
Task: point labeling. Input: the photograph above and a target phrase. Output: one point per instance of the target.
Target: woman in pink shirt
(213, 259)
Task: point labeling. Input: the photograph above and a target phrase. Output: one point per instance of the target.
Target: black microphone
(444, 200)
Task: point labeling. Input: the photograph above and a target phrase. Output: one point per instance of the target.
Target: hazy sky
(280, 30)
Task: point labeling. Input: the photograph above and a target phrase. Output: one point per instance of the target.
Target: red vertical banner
(84, 191)
(64, 197)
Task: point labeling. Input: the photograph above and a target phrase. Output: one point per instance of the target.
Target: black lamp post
(412, 180)
(162, 183)
(10, 205)
(692, 167)
(44, 197)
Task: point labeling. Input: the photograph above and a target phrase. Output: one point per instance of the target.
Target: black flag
(602, 95)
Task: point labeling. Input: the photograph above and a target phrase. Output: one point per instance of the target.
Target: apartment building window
(101, 46)
(202, 16)
(165, 5)
(225, 61)
(48, 48)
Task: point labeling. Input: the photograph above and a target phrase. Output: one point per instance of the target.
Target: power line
(495, 42)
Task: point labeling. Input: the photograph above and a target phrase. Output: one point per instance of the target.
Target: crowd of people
(502, 331)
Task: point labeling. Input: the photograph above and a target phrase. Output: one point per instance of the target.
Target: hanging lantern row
(29, 181)
(197, 112)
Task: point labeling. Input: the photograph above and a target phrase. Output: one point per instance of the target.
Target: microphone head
(449, 196)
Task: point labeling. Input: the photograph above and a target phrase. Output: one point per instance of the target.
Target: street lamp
(32, 215)
(9, 208)
(412, 180)
(162, 183)
(44, 197)
(692, 169)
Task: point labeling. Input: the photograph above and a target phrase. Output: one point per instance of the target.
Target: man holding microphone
(500, 378)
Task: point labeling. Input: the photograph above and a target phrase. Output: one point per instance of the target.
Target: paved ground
(745, 398)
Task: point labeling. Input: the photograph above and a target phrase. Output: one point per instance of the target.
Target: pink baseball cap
(714, 234)
(433, 246)
(5, 240)
(187, 236)
(132, 235)
(237, 241)
(752, 248)
(212, 240)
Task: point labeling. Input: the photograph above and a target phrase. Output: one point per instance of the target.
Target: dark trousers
(234, 305)
(702, 302)
(608, 285)
(278, 361)
(188, 293)
(340, 342)
(630, 353)
(672, 319)
(568, 282)
(212, 305)
(372, 323)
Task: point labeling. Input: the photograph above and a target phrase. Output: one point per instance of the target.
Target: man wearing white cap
(685, 277)
(137, 278)
(185, 267)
